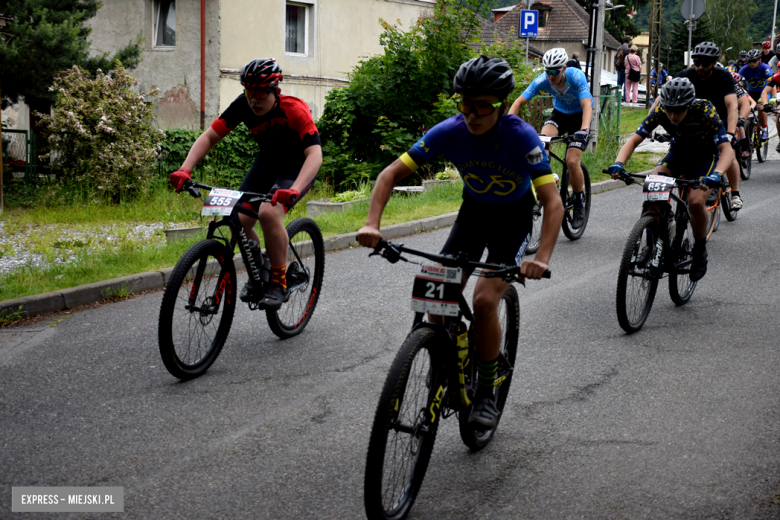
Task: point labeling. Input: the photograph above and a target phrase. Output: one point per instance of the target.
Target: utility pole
(599, 9)
(654, 49)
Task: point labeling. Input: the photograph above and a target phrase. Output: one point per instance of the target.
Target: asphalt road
(680, 420)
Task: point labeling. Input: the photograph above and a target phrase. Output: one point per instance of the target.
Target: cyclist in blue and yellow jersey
(499, 157)
(572, 112)
(700, 149)
(756, 74)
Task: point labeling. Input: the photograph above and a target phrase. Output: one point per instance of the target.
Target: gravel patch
(44, 246)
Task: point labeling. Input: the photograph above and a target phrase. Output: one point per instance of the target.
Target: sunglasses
(675, 110)
(479, 108)
(257, 93)
(552, 72)
(703, 63)
(753, 61)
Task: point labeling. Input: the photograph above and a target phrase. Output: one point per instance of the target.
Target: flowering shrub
(101, 133)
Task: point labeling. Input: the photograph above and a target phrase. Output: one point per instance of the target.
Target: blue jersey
(575, 89)
(756, 79)
(497, 167)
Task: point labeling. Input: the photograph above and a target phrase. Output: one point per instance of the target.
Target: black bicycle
(567, 196)
(200, 296)
(746, 145)
(760, 146)
(660, 244)
(433, 376)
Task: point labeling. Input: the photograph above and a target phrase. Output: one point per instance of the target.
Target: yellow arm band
(409, 162)
(544, 179)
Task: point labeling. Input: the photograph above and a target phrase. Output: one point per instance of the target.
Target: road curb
(64, 299)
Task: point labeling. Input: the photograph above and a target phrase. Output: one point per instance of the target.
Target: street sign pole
(528, 27)
(596, 73)
(692, 10)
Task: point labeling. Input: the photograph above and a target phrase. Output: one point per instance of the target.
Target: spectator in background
(633, 74)
(620, 64)
(574, 61)
(661, 73)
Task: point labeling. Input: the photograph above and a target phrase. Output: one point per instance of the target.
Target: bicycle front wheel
(762, 147)
(197, 309)
(403, 432)
(713, 213)
(680, 285)
(746, 163)
(637, 277)
(305, 265)
(509, 318)
(536, 230)
(567, 195)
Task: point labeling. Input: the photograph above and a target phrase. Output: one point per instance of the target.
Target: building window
(164, 23)
(543, 16)
(296, 34)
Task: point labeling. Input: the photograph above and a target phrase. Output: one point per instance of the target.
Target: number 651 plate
(436, 290)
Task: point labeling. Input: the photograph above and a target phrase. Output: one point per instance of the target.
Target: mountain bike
(433, 377)
(660, 244)
(567, 196)
(761, 147)
(200, 296)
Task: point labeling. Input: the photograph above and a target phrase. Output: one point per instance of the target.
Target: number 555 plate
(436, 290)
(220, 202)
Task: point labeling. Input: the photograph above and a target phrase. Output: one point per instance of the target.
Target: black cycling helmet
(678, 93)
(261, 73)
(706, 50)
(732, 62)
(484, 76)
(754, 54)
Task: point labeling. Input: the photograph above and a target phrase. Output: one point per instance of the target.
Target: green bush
(224, 166)
(100, 132)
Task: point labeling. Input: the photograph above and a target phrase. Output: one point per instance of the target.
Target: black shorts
(504, 229)
(756, 96)
(567, 124)
(262, 179)
(683, 165)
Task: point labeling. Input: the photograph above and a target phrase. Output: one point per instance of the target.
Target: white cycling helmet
(555, 58)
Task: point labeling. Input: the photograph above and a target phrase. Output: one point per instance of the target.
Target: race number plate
(545, 138)
(657, 187)
(436, 290)
(220, 202)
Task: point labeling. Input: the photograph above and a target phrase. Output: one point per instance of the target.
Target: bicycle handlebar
(192, 189)
(392, 252)
(630, 178)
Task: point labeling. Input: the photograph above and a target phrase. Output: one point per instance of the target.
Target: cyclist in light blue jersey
(572, 112)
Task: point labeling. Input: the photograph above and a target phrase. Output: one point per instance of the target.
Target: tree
(703, 33)
(732, 18)
(45, 38)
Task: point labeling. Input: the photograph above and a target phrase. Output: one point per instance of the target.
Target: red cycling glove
(286, 197)
(178, 177)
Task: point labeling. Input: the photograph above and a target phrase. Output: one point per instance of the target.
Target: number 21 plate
(436, 290)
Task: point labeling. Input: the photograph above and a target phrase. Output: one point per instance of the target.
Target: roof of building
(491, 32)
(568, 21)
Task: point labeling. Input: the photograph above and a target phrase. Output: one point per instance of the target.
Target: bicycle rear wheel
(746, 163)
(567, 195)
(680, 285)
(637, 277)
(509, 318)
(536, 230)
(197, 309)
(402, 434)
(305, 265)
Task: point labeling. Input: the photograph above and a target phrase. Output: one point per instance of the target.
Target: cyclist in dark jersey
(700, 149)
(498, 156)
(286, 165)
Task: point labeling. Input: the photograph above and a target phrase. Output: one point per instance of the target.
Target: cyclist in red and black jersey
(286, 165)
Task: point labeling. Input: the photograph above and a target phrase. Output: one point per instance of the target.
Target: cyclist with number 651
(288, 161)
(498, 156)
(572, 113)
(700, 149)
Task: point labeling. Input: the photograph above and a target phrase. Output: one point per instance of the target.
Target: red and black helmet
(766, 45)
(736, 76)
(776, 77)
(261, 73)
